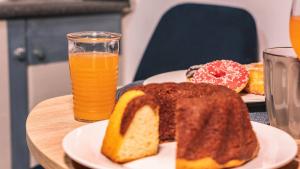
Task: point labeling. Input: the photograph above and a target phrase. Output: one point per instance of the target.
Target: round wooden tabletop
(49, 122)
(46, 126)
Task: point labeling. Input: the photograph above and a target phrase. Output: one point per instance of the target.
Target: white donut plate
(179, 76)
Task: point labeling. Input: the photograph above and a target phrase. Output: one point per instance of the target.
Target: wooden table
(49, 122)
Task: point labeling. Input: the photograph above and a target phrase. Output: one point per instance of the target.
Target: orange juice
(94, 81)
(295, 33)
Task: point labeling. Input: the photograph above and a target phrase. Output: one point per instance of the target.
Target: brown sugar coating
(208, 127)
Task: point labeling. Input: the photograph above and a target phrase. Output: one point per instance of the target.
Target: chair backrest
(190, 34)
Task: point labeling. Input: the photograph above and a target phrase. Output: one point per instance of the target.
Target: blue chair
(190, 34)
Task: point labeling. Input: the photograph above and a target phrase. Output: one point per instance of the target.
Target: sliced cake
(133, 129)
(209, 122)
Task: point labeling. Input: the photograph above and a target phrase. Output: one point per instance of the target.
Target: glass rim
(93, 36)
(269, 52)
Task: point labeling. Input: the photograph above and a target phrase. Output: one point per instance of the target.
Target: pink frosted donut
(223, 72)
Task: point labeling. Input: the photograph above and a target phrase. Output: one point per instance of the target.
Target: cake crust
(208, 129)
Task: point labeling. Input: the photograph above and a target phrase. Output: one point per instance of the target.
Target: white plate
(83, 145)
(179, 76)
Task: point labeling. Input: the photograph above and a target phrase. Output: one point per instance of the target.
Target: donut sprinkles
(223, 72)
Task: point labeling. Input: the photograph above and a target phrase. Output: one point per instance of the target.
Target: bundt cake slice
(133, 129)
(214, 132)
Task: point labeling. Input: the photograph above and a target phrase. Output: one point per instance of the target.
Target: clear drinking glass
(282, 89)
(295, 26)
(93, 60)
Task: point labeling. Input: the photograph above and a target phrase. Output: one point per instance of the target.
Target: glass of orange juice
(93, 60)
(295, 27)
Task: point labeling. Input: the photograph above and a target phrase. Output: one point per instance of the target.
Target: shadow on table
(72, 164)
